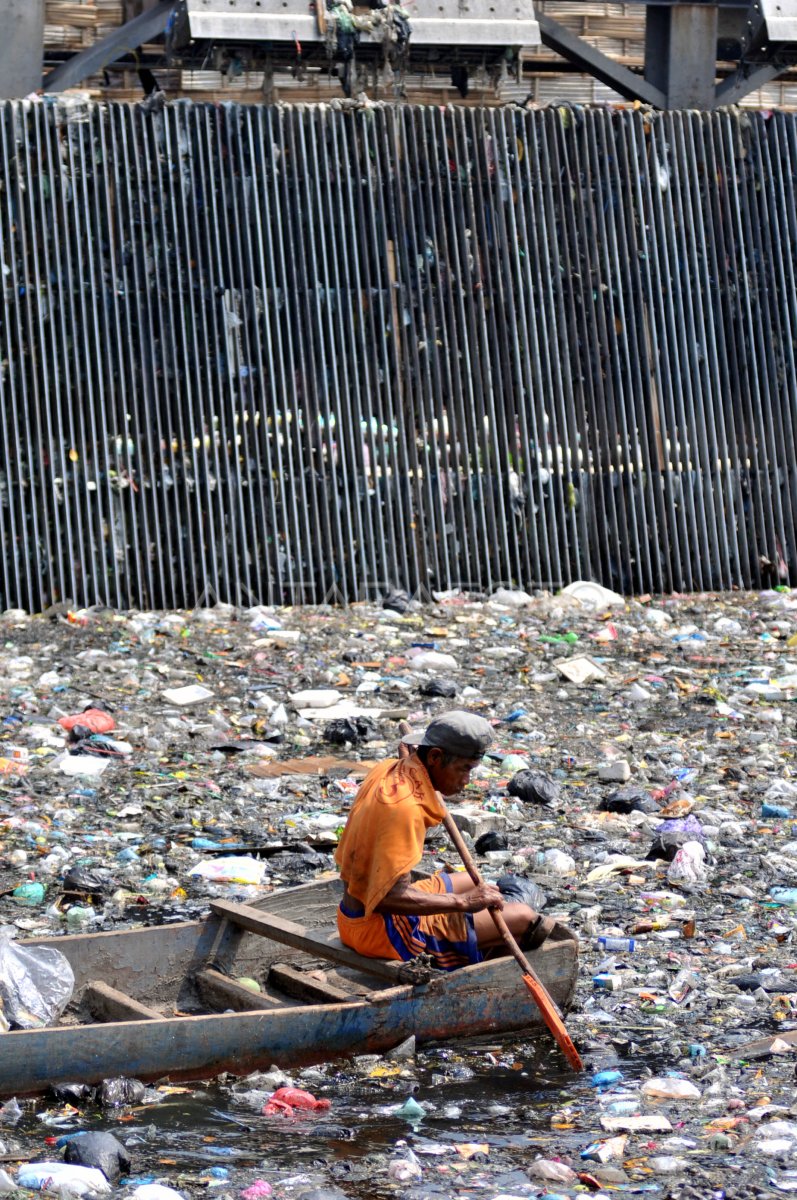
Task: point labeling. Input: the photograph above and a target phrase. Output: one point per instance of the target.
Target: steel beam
(122, 41)
(681, 53)
(746, 79)
(624, 82)
(21, 47)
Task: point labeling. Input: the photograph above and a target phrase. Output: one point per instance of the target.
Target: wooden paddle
(545, 1003)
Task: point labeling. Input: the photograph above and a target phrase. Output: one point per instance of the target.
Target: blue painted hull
(151, 963)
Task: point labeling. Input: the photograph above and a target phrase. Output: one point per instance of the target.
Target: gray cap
(463, 734)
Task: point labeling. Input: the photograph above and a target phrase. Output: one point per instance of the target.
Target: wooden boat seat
(219, 992)
(108, 1004)
(319, 943)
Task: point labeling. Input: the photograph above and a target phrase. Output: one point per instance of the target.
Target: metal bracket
(747, 78)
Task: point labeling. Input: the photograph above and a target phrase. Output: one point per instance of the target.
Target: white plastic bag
(689, 864)
(36, 983)
(156, 1191)
(64, 1178)
(433, 660)
(233, 869)
(669, 1087)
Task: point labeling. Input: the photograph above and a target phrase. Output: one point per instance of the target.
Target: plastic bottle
(656, 925)
(617, 944)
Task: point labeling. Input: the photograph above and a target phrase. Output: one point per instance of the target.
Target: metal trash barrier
(295, 355)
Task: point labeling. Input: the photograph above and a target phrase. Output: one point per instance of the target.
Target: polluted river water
(642, 775)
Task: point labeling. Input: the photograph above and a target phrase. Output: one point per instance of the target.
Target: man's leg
(524, 923)
(519, 917)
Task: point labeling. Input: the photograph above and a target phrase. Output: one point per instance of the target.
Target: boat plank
(217, 991)
(304, 987)
(321, 943)
(108, 1004)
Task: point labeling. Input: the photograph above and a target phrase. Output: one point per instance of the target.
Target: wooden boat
(163, 1002)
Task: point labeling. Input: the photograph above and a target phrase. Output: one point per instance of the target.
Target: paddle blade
(554, 1023)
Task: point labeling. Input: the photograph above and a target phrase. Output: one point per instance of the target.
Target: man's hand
(485, 896)
(404, 750)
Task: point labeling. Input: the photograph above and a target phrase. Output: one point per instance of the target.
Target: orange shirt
(385, 832)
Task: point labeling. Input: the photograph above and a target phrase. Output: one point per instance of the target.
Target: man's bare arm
(404, 899)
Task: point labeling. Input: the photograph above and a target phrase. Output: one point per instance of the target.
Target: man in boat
(383, 913)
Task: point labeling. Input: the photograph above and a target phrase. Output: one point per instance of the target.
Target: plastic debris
(694, 697)
(63, 1178)
(36, 984)
(100, 1150)
(287, 1101)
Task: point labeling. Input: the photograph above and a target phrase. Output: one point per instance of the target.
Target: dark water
(498, 1097)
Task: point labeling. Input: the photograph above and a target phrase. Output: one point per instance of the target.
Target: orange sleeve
(385, 832)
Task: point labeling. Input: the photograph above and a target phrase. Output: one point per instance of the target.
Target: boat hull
(151, 964)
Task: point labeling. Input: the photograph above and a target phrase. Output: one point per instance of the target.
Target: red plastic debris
(287, 1100)
(93, 719)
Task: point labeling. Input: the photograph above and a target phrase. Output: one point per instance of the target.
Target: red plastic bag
(93, 719)
(287, 1100)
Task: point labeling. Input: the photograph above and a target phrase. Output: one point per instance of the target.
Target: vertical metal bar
(769, 305)
(460, 522)
(664, 332)
(338, 204)
(694, 437)
(502, 436)
(297, 580)
(434, 508)
(186, 509)
(388, 247)
(305, 431)
(39, 310)
(782, 132)
(334, 349)
(631, 408)
(276, 433)
(185, 274)
(229, 458)
(262, 524)
(563, 437)
(142, 250)
(703, 369)
(307, 216)
(633, 308)
(761, 518)
(98, 489)
(17, 559)
(591, 499)
(114, 381)
(474, 355)
(132, 364)
(73, 275)
(726, 406)
(209, 338)
(169, 478)
(23, 395)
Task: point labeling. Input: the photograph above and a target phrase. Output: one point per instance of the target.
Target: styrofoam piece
(193, 693)
(316, 698)
(87, 765)
(346, 708)
(581, 669)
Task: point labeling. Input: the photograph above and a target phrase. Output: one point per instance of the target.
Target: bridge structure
(697, 55)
